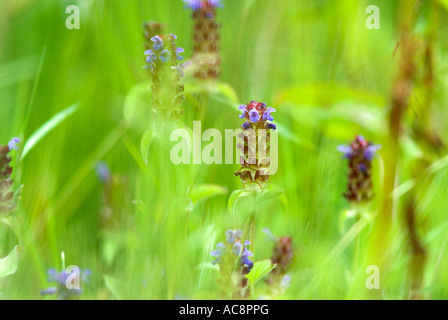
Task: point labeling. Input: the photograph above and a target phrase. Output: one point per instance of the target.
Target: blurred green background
(329, 77)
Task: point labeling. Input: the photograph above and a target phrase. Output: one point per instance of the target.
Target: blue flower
(179, 50)
(13, 144)
(254, 116)
(165, 55)
(151, 56)
(233, 235)
(272, 126)
(158, 43)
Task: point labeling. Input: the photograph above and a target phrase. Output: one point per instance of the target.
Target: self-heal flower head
(158, 43)
(360, 154)
(13, 144)
(255, 159)
(257, 112)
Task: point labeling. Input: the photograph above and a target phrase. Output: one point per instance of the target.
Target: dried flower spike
(8, 200)
(360, 154)
(206, 56)
(255, 144)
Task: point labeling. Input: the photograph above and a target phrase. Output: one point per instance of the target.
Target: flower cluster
(7, 197)
(206, 55)
(163, 61)
(63, 283)
(360, 154)
(234, 249)
(233, 258)
(255, 144)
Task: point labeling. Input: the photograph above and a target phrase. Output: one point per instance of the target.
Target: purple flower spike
(360, 154)
(13, 144)
(158, 43)
(254, 116)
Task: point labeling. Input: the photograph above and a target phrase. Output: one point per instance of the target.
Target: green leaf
(259, 270)
(136, 101)
(8, 265)
(272, 192)
(205, 191)
(145, 143)
(48, 126)
(234, 197)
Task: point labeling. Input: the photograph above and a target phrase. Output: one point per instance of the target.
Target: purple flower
(165, 55)
(370, 151)
(173, 36)
(102, 171)
(246, 125)
(244, 109)
(193, 4)
(272, 126)
(13, 144)
(179, 50)
(267, 114)
(61, 289)
(158, 43)
(151, 56)
(346, 150)
(233, 235)
(254, 116)
(233, 246)
(216, 3)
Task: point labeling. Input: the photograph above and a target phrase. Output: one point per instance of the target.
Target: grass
(328, 76)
